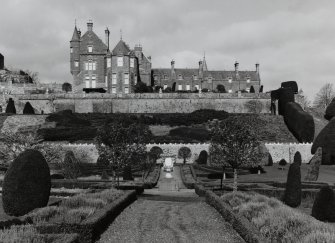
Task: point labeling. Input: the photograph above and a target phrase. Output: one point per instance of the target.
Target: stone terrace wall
(142, 103)
(286, 151)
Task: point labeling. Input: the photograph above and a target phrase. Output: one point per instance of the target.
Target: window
(230, 91)
(248, 80)
(196, 86)
(89, 48)
(195, 77)
(106, 81)
(126, 78)
(109, 62)
(126, 90)
(90, 65)
(180, 87)
(155, 77)
(94, 66)
(180, 77)
(135, 77)
(165, 86)
(113, 90)
(114, 78)
(132, 62)
(120, 61)
(71, 50)
(230, 80)
(86, 65)
(94, 83)
(87, 81)
(188, 87)
(76, 63)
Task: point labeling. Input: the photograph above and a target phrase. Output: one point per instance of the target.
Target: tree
(184, 153)
(141, 87)
(302, 100)
(221, 88)
(122, 141)
(10, 108)
(234, 143)
(155, 153)
(32, 76)
(67, 87)
(252, 89)
(28, 109)
(324, 96)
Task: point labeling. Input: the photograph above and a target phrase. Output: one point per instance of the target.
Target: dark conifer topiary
(330, 111)
(270, 160)
(282, 162)
(127, 174)
(261, 89)
(102, 161)
(324, 204)
(292, 195)
(285, 95)
(27, 184)
(71, 166)
(10, 108)
(252, 89)
(202, 159)
(28, 109)
(297, 158)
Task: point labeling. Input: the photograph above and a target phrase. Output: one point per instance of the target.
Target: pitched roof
(90, 38)
(75, 36)
(121, 48)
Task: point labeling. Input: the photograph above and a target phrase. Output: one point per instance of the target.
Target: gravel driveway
(168, 221)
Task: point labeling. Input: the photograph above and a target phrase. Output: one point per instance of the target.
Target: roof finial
(120, 34)
(204, 54)
(75, 22)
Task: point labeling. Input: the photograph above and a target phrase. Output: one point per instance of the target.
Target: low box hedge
(187, 177)
(242, 226)
(91, 228)
(152, 177)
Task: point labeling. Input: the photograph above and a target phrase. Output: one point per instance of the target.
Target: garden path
(170, 213)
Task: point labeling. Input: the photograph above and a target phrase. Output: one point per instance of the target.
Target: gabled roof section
(90, 38)
(75, 36)
(121, 48)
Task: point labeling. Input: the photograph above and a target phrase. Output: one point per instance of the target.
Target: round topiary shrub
(297, 158)
(28, 109)
(104, 175)
(270, 160)
(282, 162)
(10, 108)
(292, 195)
(27, 184)
(71, 166)
(324, 204)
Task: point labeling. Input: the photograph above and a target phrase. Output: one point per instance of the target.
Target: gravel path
(168, 221)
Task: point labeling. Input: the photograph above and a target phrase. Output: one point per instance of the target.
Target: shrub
(10, 108)
(67, 87)
(22, 234)
(261, 89)
(324, 204)
(297, 158)
(319, 236)
(221, 88)
(282, 162)
(70, 166)
(314, 166)
(28, 109)
(102, 161)
(26, 184)
(127, 174)
(205, 90)
(184, 153)
(67, 118)
(292, 195)
(330, 111)
(291, 85)
(251, 209)
(104, 175)
(285, 95)
(252, 89)
(254, 106)
(270, 160)
(202, 159)
(254, 170)
(299, 122)
(199, 134)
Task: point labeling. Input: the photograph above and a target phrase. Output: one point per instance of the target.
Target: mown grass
(278, 222)
(22, 234)
(75, 209)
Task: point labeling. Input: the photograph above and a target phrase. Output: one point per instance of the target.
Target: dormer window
(180, 77)
(248, 80)
(71, 50)
(90, 48)
(230, 80)
(120, 61)
(195, 77)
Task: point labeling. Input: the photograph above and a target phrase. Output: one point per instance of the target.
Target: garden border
(189, 183)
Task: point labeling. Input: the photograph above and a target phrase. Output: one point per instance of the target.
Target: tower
(75, 52)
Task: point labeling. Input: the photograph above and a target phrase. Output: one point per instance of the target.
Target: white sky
(291, 39)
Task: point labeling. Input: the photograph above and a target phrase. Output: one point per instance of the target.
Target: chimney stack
(172, 64)
(90, 25)
(107, 38)
(236, 66)
(173, 73)
(257, 67)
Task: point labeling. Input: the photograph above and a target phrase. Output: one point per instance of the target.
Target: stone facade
(286, 151)
(93, 65)
(2, 62)
(191, 79)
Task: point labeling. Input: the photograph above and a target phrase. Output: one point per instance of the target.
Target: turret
(74, 52)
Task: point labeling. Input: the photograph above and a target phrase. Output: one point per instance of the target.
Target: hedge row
(299, 122)
(152, 177)
(187, 176)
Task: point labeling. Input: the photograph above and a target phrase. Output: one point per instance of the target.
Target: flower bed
(27, 233)
(277, 222)
(85, 214)
(152, 177)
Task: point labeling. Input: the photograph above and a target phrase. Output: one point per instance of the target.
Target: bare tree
(34, 76)
(302, 100)
(324, 96)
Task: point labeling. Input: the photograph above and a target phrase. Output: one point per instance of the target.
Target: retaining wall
(286, 151)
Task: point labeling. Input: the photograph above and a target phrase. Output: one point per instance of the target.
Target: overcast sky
(292, 40)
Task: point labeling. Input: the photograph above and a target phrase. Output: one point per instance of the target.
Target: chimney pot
(236, 66)
(257, 67)
(90, 25)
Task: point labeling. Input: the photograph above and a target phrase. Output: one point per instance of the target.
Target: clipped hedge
(152, 177)
(28, 109)
(240, 224)
(187, 176)
(290, 84)
(299, 122)
(286, 95)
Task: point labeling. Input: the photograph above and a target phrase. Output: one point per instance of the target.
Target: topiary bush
(291, 85)
(127, 174)
(102, 161)
(28, 109)
(324, 204)
(282, 162)
(330, 111)
(202, 159)
(297, 158)
(27, 184)
(10, 108)
(252, 89)
(71, 166)
(299, 122)
(285, 95)
(270, 160)
(292, 195)
(314, 166)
